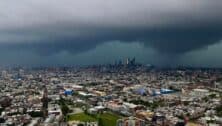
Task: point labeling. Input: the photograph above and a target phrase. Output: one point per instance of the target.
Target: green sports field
(106, 119)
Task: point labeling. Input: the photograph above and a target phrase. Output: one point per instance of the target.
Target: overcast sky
(161, 32)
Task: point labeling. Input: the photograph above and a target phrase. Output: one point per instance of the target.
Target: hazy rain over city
(110, 63)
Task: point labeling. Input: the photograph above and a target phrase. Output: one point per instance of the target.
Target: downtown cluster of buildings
(139, 95)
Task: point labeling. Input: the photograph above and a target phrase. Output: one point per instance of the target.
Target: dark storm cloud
(167, 41)
(49, 27)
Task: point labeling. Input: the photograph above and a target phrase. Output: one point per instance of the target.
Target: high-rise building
(21, 73)
(127, 61)
(4, 74)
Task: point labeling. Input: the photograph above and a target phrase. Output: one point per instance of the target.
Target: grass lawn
(106, 119)
(81, 117)
(109, 119)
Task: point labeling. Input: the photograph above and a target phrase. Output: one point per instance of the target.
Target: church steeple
(45, 102)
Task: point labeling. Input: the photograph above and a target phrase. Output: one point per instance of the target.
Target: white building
(200, 92)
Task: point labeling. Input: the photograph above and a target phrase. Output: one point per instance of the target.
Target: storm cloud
(54, 26)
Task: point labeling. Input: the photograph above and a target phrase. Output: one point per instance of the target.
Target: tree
(65, 109)
(36, 114)
(212, 96)
(219, 111)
